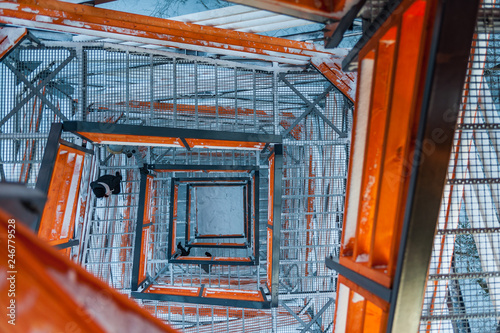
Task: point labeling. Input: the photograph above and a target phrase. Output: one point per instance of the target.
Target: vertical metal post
(151, 88)
(127, 86)
(174, 73)
(196, 94)
(257, 218)
(275, 99)
(188, 212)
(274, 314)
(216, 95)
(81, 55)
(138, 233)
(236, 96)
(278, 172)
(254, 101)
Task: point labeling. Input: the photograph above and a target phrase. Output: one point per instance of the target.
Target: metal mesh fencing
(160, 90)
(35, 92)
(463, 288)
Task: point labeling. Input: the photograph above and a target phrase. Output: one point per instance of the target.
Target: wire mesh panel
(109, 232)
(147, 88)
(462, 293)
(36, 89)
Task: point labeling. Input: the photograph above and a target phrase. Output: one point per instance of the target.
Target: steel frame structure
(190, 139)
(315, 133)
(239, 297)
(313, 156)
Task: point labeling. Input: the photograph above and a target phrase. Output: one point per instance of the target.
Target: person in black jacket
(106, 185)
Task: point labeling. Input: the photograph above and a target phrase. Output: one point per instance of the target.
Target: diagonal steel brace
(317, 316)
(36, 90)
(311, 107)
(293, 314)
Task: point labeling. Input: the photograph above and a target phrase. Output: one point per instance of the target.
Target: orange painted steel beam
(146, 231)
(219, 244)
(208, 292)
(59, 214)
(80, 19)
(206, 110)
(372, 250)
(233, 294)
(212, 235)
(371, 180)
(364, 312)
(207, 281)
(314, 10)
(131, 139)
(9, 38)
(387, 112)
(331, 68)
(62, 291)
(203, 143)
(173, 290)
(126, 239)
(207, 171)
(173, 232)
(106, 138)
(192, 309)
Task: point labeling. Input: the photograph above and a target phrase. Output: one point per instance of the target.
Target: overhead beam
(103, 23)
(315, 10)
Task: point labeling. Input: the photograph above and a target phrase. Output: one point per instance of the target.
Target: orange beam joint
(360, 280)
(331, 68)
